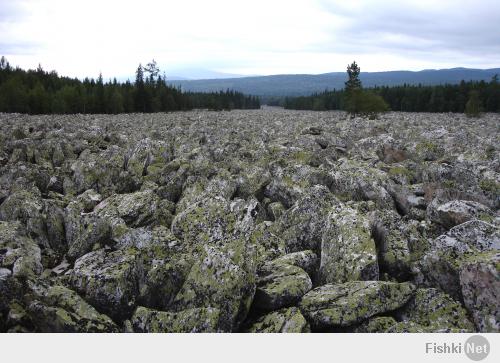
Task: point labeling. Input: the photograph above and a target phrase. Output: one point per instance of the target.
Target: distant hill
(185, 74)
(305, 84)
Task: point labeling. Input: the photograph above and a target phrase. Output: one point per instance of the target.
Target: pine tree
(353, 89)
(140, 94)
(353, 82)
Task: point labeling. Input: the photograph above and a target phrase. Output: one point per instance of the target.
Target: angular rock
(134, 209)
(196, 320)
(356, 181)
(280, 285)
(26, 207)
(208, 221)
(19, 254)
(435, 312)
(480, 283)
(108, 281)
(84, 231)
(57, 309)
(269, 245)
(306, 260)
(342, 305)
(287, 320)
(442, 264)
(347, 249)
(456, 212)
(391, 235)
(222, 277)
(302, 225)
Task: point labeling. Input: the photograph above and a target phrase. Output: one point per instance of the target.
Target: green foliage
(412, 98)
(489, 185)
(353, 83)
(41, 92)
(473, 106)
(358, 101)
(365, 103)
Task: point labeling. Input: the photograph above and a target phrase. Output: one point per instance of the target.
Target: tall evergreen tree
(353, 82)
(353, 89)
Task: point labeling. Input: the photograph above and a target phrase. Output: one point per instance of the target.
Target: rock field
(249, 221)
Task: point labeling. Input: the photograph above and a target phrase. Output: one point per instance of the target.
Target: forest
(41, 92)
(409, 98)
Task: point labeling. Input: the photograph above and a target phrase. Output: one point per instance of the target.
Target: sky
(81, 38)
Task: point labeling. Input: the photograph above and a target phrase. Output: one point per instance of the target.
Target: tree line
(471, 97)
(41, 92)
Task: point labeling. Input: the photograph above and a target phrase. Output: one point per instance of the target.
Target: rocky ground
(249, 221)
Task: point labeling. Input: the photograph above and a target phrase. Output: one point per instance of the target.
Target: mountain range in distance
(187, 74)
(306, 84)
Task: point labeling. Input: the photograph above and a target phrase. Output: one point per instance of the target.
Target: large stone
(269, 245)
(109, 281)
(57, 309)
(101, 171)
(84, 231)
(302, 225)
(222, 277)
(442, 264)
(392, 235)
(195, 320)
(280, 285)
(134, 209)
(207, 221)
(348, 251)
(26, 207)
(19, 254)
(456, 212)
(306, 260)
(287, 320)
(480, 283)
(358, 181)
(435, 311)
(341, 305)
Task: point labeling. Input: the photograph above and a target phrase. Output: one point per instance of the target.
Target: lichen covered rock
(435, 311)
(348, 251)
(480, 283)
(341, 305)
(19, 255)
(442, 264)
(287, 320)
(280, 285)
(59, 309)
(196, 320)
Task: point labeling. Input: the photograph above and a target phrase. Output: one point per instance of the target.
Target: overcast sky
(83, 37)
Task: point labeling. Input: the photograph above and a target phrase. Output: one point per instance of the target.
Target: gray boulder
(342, 305)
(442, 264)
(480, 283)
(348, 251)
(286, 320)
(20, 256)
(196, 320)
(280, 285)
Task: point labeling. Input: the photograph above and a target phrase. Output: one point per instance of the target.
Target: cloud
(81, 38)
(419, 28)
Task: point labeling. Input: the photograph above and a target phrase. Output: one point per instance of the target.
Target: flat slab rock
(341, 305)
(287, 320)
(196, 320)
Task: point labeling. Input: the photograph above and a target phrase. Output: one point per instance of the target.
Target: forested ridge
(42, 92)
(409, 98)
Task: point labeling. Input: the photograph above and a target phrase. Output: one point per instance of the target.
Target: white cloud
(81, 38)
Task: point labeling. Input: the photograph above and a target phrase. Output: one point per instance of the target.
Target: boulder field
(249, 221)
